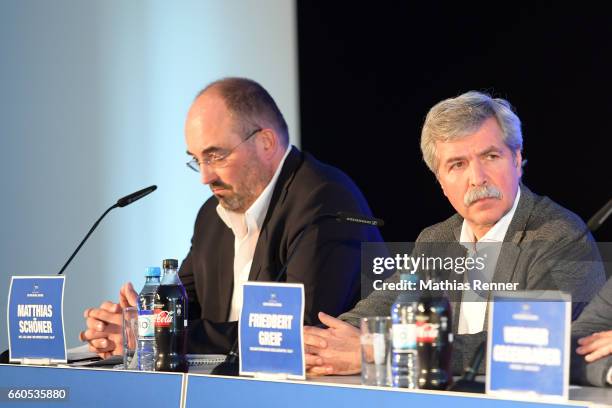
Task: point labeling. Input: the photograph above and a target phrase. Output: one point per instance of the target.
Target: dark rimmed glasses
(217, 159)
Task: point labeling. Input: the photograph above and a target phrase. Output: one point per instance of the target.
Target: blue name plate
(35, 319)
(270, 330)
(529, 344)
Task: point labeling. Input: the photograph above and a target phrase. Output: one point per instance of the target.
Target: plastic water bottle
(404, 370)
(146, 316)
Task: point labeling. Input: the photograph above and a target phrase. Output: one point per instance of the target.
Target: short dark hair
(251, 103)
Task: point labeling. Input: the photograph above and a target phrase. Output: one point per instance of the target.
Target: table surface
(591, 395)
(577, 393)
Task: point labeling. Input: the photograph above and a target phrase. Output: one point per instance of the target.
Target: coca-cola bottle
(434, 341)
(171, 321)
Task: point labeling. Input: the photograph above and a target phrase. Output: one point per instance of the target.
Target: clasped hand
(334, 350)
(104, 333)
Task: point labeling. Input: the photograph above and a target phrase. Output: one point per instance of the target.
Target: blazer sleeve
(571, 263)
(378, 303)
(596, 317)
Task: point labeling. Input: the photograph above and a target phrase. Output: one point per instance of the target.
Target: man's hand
(104, 333)
(103, 329)
(595, 346)
(335, 350)
(127, 295)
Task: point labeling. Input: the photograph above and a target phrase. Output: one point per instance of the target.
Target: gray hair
(459, 117)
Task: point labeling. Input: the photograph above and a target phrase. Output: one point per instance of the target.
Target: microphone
(467, 383)
(359, 219)
(600, 217)
(122, 202)
(129, 199)
(340, 217)
(230, 366)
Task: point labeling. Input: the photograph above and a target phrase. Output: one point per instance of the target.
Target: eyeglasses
(217, 159)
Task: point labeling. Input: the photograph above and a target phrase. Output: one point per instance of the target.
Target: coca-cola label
(427, 332)
(163, 318)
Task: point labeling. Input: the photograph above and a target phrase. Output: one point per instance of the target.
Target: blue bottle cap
(152, 271)
(409, 277)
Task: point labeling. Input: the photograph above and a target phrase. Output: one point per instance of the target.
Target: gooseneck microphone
(600, 216)
(122, 202)
(357, 218)
(129, 199)
(230, 366)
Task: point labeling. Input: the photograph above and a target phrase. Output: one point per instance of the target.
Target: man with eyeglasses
(267, 197)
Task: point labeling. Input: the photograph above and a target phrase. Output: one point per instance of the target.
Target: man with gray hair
(473, 145)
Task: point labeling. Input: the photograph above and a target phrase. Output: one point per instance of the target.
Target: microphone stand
(600, 216)
(467, 382)
(86, 237)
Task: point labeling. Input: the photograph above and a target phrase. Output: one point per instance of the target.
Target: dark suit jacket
(545, 247)
(327, 261)
(596, 317)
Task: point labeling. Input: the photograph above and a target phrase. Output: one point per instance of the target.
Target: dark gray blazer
(596, 317)
(544, 249)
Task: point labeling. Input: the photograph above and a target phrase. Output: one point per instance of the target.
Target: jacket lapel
(285, 178)
(511, 250)
(455, 297)
(225, 268)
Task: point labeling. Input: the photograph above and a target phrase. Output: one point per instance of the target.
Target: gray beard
(254, 183)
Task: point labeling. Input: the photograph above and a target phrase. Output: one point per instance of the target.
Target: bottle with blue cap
(146, 319)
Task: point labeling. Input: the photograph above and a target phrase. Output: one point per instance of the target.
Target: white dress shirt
(473, 307)
(246, 228)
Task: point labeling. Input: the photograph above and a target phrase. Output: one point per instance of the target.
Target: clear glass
(376, 351)
(130, 335)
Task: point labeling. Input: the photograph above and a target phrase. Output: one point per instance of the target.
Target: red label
(427, 332)
(163, 318)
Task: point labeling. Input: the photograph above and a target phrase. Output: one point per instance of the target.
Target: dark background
(370, 72)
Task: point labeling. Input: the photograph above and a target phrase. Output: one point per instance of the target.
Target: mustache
(478, 193)
(220, 184)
